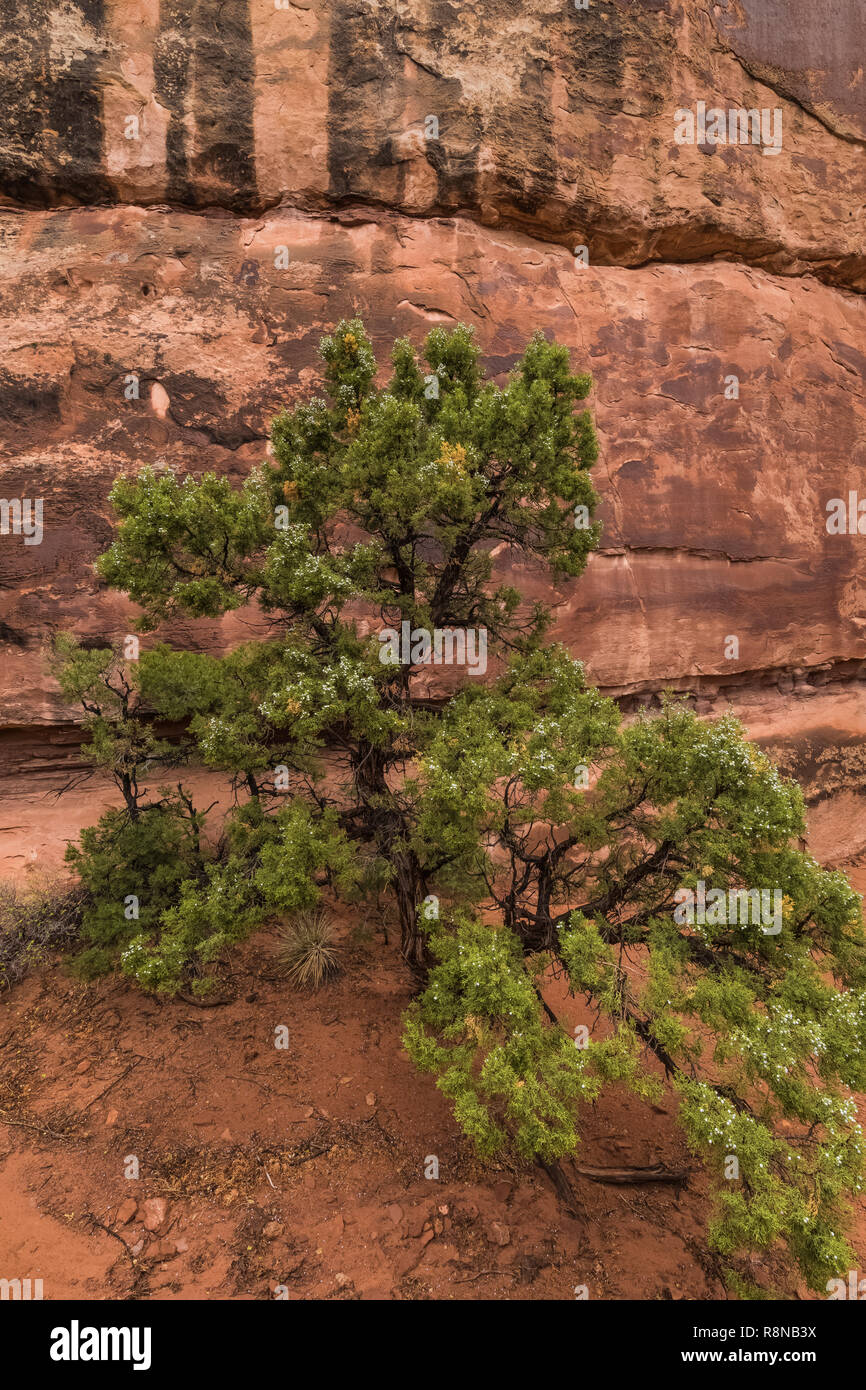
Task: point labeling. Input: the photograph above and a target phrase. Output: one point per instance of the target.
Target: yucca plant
(307, 952)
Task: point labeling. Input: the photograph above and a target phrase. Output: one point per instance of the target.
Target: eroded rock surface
(425, 162)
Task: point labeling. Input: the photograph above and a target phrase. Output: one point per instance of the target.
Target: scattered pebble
(126, 1211)
(155, 1210)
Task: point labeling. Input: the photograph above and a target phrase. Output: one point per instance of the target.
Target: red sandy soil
(305, 1167)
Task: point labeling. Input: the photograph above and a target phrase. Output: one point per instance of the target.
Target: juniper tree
(381, 503)
(520, 824)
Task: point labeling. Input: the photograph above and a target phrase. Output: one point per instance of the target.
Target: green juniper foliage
(135, 859)
(540, 832)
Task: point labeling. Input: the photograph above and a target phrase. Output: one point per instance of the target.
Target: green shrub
(132, 870)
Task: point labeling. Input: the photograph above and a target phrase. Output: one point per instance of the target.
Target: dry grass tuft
(307, 952)
(42, 916)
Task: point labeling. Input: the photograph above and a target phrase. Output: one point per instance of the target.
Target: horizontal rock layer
(539, 115)
(714, 509)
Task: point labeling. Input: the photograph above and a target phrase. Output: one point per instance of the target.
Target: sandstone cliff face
(194, 190)
(552, 119)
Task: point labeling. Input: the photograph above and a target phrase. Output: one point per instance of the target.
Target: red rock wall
(304, 127)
